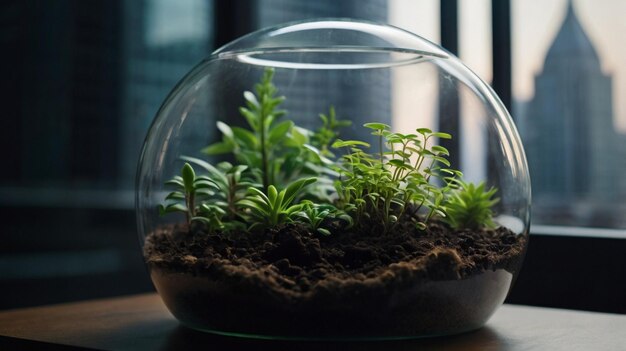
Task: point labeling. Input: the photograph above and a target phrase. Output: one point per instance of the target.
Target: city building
(574, 152)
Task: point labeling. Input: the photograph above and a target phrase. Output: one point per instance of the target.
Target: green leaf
(299, 135)
(424, 131)
(260, 211)
(279, 204)
(212, 209)
(176, 182)
(203, 177)
(189, 176)
(236, 172)
(207, 166)
(426, 152)
(245, 137)
(217, 175)
(250, 117)
(323, 231)
(377, 126)
(442, 160)
(176, 195)
(294, 188)
(441, 135)
(201, 184)
(249, 96)
(161, 210)
(399, 163)
(279, 131)
(346, 218)
(291, 210)
(171, 208)
(204, 192)
(219, 148)
(318, 155)
(272, 194)
(203, 220)
(225, 129)
(440, 150)
(402, 154)
(344, 143)
(260, 194)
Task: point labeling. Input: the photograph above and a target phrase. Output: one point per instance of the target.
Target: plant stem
(264, 156)
(190, 198)
(232, 189)
(380, 148)
(387, 212)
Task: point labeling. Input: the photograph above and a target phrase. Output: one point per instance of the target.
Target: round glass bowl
(377, 245)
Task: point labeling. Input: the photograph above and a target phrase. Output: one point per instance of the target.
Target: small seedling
(315, 215)
(396, 181)
(189, 189)
(470, 206)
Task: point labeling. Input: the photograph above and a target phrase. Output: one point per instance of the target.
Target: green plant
(315, 215)
(190, 188)
(262, 146)
(284, 173)
(396, 181)
(230, 182)
(274, 208)
(279, 152)
(470, 206)
(328, 132)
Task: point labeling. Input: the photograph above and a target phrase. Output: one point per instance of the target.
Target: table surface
(142, 322)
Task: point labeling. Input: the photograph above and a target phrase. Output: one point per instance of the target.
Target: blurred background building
(576, 157)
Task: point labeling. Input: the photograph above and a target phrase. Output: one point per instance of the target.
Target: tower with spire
(568, 131)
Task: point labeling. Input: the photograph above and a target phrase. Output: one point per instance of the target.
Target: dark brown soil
(289, 282)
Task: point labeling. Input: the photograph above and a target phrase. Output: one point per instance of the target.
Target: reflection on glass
(163, 40)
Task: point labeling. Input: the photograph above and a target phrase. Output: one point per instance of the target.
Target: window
(568, 84)
(84, 82)
(81, 83)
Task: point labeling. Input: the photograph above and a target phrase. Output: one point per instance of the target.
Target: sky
(534, 24)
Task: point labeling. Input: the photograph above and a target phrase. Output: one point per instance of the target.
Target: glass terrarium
(333, 179)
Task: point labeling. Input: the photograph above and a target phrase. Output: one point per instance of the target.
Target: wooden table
(143, 323)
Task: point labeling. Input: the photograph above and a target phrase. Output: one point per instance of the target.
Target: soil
(289, 282)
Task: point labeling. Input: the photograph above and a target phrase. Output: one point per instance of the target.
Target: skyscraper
(163, 40)
(60, 67)
(568, 131)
